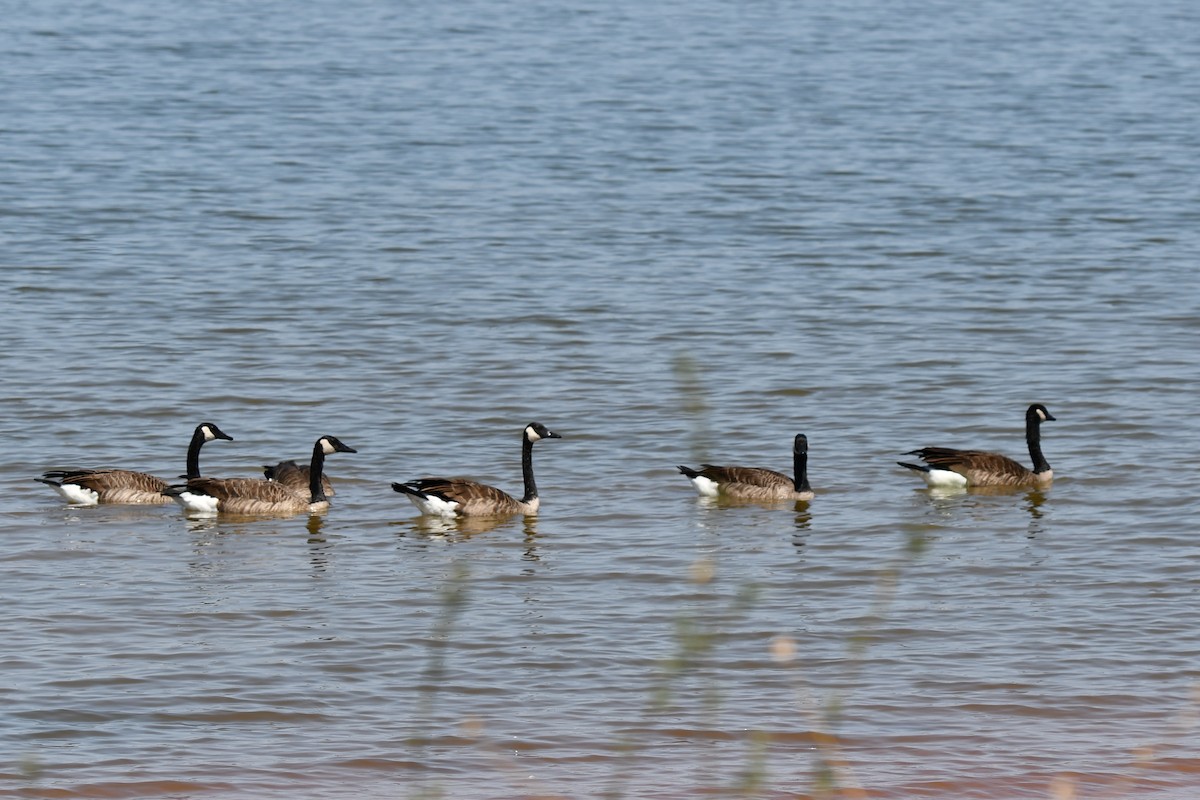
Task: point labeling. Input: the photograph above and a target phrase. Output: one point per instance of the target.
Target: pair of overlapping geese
(295, 488)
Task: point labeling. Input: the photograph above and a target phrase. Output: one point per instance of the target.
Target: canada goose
(91, 487)
(461, 497)
(755, 483)
(948, 468)
(251, 496)
(296, 477)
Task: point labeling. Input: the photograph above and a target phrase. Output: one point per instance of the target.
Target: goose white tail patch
(77, 495)
(199, 503)
(944, 479)
(434, 506)
(706, 487)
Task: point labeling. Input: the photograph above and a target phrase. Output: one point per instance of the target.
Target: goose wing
(471, 496)
(248, 496)
(111, 485)
(226, 489)
(99, 480)
(749, 476)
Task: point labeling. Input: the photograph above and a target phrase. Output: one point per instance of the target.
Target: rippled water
(672, 232)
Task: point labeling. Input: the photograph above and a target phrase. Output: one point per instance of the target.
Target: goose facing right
(946, 467)
(462, 497)
(251, 496)
(89, 487)
(755, 483)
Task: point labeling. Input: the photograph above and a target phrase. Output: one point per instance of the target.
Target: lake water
(673, 232)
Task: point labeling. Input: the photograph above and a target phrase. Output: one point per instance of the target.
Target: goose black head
(210, 431)
(536, 430)
(1038, 411)
(332, 444)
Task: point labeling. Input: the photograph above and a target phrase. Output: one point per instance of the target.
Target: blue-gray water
(673, 232)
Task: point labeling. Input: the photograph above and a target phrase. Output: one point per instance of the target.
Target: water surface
(674, 233)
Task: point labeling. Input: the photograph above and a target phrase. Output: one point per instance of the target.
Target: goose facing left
(755, 483)
(89, 487)
(252, 496)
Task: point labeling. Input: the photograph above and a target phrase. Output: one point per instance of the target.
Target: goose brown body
(986, 469)
(115, 486)
(755, 483)
(250, 496)
(471, 498)
(127, 487)
(982, 468)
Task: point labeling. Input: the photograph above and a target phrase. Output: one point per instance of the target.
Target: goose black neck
(527, 469)
(193, 455)
(1033, 437)
(315, 469)
(800, 465)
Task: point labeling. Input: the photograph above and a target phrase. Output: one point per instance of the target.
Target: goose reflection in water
(464, 526)
(948, 500)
